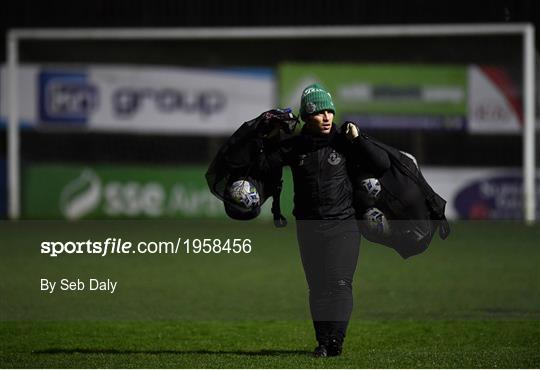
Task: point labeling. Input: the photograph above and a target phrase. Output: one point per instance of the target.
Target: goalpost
(526, 31)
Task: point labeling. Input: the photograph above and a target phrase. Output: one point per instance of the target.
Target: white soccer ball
(376, 222)
(244, 193)
(372, 187)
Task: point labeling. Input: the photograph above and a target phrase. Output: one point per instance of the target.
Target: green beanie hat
(314, 99)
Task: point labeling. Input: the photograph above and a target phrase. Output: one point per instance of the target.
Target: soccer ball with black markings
(375, 223)
(372, 187)
(244, 194)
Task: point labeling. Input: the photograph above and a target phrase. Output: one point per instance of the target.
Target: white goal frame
(14, 36)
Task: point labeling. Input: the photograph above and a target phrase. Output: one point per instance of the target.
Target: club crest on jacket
(334, 158)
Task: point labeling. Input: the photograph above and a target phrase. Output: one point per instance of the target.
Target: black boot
(322, 329)
(321, 351)
(334, 347)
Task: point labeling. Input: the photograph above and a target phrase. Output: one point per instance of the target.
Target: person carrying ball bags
(346, 184)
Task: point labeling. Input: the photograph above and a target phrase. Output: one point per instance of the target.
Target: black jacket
(322, 188)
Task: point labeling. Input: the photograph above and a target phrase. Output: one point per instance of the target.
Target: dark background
(196, 13)
(436, 148)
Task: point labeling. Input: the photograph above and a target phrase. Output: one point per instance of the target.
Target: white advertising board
(495, 103)
(480, 193)
(141, 99)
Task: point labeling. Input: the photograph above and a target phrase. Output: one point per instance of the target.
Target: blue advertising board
(65, 97)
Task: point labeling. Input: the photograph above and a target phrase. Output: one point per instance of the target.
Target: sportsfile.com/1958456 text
(119, 246)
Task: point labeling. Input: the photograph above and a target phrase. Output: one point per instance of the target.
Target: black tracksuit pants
(329, 251)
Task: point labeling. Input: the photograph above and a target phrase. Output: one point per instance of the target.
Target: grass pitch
(472, 301)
